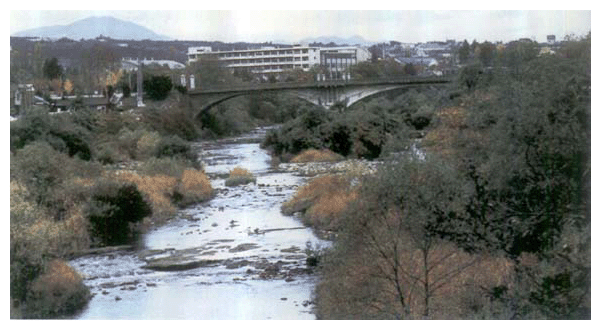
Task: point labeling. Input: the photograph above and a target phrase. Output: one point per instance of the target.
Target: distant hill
(92, 27)
(354, 40)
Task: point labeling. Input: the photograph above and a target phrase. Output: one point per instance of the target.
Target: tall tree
(487, 53)
(52, 70)
(464, 52)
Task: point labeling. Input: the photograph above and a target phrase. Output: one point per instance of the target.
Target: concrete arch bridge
(324, 93)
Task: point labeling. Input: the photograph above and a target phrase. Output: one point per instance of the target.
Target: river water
(238, 256)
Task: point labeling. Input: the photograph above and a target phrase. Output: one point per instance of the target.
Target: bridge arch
(379, 92)
(216, 100)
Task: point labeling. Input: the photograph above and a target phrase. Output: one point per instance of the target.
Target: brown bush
(159, 189)
(313, 155)
(361, 285)
(59, 290)
(194, 187)
(165, 191)
(322, 200)
(239, 176)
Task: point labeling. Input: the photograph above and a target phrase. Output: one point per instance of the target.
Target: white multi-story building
(275, 60)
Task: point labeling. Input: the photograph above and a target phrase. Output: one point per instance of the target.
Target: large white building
(275, 60)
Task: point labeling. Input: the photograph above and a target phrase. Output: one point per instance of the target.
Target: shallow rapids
(234, 257)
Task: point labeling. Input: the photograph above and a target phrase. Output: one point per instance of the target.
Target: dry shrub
(442, 138)
(75, 230)
(147, 144)
(240, 172)
(361, 285)
(163, 166)
(322, 200)
(195, 186)
(159, 189)
(57, 238)
(313, 155)
(58, 291)
(453, 117)
(455, 275)
(328, 209)
(239, 176)
(163, 190)
(22, 211)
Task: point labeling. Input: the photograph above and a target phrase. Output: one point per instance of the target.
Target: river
(234, 257)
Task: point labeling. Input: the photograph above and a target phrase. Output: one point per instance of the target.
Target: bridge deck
(318, 84)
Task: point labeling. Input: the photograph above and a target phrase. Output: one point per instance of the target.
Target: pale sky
(294, 25)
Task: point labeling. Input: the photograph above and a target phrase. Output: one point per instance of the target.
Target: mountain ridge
(93, 27)
(354, 40)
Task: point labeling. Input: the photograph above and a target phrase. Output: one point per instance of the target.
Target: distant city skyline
(293, 26)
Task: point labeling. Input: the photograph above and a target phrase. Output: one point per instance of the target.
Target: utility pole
(140, 84)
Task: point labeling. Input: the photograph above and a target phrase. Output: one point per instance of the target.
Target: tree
(95, 63)
(376, 53)
(158, 87)
(487, 52)
(464, 52)
(68, 86)
(210, 72)
(395, 250)
(52, 70)
(530, 184)
(410, 69)
(113, 208)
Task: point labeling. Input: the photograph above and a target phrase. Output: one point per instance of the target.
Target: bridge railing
(243, 87)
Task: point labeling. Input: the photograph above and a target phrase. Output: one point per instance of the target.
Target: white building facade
(275, 60)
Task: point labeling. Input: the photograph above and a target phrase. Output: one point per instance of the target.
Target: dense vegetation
(90, 179)
(493, 223)
(367, 130)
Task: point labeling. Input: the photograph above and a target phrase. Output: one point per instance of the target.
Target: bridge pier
(329, 95)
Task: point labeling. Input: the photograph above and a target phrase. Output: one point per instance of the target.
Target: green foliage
(172, 122)
(64, 133)
(537, 164)
(211, 73)
(378, 69)
(514, 184)
(175, 147)
(26, 263)
(157, 88)
(173, 167)
(229, 118)
(113, 208)
(51, 69)
(487, 53)
(41, 169)
(361, 131)
(471, 76)
(464, 52)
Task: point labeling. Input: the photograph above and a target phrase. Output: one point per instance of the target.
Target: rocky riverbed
(234, 257)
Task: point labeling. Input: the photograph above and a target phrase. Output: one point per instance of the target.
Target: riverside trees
(494, 223)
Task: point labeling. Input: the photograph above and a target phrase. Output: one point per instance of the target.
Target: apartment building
(275, 60)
